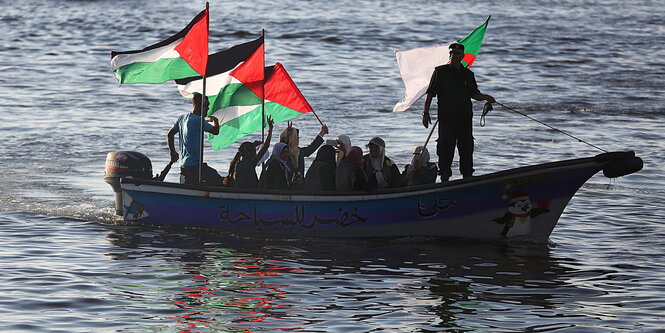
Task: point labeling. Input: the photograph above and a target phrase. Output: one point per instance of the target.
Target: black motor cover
(121, 164)
(127, 164)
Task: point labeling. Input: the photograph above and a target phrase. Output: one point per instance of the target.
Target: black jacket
(390, 172)
(273, 177)
(349, 177)
(423, 175)
(320, 177)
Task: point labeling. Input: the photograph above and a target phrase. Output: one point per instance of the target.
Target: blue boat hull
(523, 202)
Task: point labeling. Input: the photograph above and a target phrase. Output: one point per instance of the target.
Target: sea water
(594, 69)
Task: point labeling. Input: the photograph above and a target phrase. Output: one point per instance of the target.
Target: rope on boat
(487, 108)
(554, 128)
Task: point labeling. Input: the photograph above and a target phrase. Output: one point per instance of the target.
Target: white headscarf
(420, 158)
(346, 141)
(377, 165)
(276, 151)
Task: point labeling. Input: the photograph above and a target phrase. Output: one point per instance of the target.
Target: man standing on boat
(188, 128)
(454, 85)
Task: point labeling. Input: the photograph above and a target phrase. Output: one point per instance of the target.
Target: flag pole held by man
(182, 55)
(189, 133)
(234, 95)
(237, 76)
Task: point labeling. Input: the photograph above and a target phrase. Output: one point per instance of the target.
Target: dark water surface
(592, 68)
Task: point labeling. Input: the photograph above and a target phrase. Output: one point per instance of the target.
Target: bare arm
(170, 141)
(232, 165)
(266, 145)
(215, 125)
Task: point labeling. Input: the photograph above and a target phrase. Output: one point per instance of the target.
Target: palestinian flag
(416, 65)
(472, 43)
(235, 89)
(218, 75)
(239, 118)
(184, 54)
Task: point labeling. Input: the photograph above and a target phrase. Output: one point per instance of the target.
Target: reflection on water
(565, 66)
(68, 275)
(256, 284)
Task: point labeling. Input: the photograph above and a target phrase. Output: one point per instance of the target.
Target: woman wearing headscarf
(291, 136)
(349, 175)
(342, 146)
(243, 166)
(380, 170)
(321, 174)
(421, 170)
(276, 173)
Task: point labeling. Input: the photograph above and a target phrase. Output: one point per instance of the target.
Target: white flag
(416, 67)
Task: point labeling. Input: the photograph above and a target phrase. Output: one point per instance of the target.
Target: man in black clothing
(454, 85)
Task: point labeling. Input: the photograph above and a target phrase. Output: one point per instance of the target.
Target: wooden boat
(521, 202)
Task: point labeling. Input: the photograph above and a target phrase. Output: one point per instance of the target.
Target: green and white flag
(416, 65)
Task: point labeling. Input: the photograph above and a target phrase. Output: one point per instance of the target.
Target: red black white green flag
(182, 55)
(236, 90)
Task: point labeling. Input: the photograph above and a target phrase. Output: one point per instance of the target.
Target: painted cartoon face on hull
(520, 207)
(517, 220)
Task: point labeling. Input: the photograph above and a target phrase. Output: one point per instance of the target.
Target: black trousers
(209, 176)
(455, 132)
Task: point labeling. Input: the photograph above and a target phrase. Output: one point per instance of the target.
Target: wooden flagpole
(430, 133)
(317, 116)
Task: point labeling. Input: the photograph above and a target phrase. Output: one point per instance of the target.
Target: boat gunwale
(397, 192)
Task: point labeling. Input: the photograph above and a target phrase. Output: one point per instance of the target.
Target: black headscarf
(326, 154)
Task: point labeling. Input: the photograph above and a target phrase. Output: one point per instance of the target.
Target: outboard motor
(121, 164)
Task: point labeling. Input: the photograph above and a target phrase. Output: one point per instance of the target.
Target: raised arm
(316, 143)
(232, 165)
(266, 144)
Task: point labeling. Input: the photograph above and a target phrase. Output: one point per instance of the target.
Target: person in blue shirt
(188, 128)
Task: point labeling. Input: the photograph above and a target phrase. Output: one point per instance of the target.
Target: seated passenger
(342, 147)
(275, 176)
(321, 174)
(243, 167)
(421, 170)
(381, 172)
(291, 136)
(349, 175)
